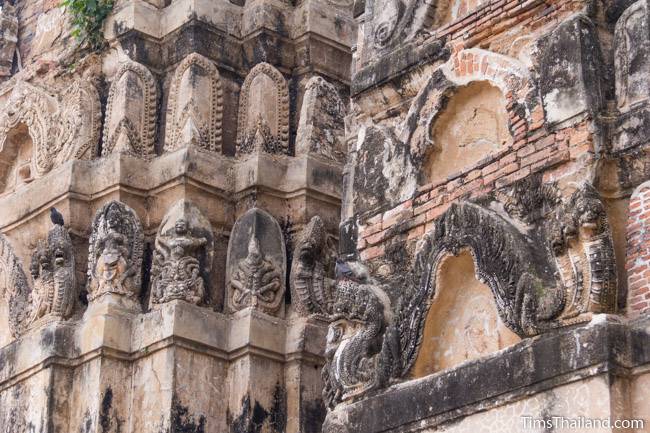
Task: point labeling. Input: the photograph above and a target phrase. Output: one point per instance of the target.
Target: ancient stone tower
(337, 216)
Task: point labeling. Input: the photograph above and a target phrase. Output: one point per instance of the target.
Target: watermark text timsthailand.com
(580, 422)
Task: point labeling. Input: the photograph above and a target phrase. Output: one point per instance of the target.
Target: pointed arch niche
(462, 323)
(472, 125)
(16, 159)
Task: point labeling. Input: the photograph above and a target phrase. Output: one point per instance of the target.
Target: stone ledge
(232, 19)
(87, 181)
(534, 365)
(129, 336)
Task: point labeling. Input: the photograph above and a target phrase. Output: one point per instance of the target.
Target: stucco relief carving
(632, 48)
(256, 263)
(534, 289)
(581, 241)
(52, 295)
(311, 280)
(53, 270)
(131, 112)
(362, 345)
(8, 38)
(256, 282)
(321, 130)
(62, 125)
(182, 257)
(263, 123)
(115, 252)
(195, 107)
(15, 288)
(398, 21)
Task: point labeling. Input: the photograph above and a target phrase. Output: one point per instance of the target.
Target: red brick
(416, 232)
(580, 135)
(372, 252)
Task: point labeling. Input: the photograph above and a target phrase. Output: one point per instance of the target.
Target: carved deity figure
(53, 270)
(176, 272)
(256, 281)
(115, 260)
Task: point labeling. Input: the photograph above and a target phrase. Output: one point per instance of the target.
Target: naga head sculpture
(358, 350)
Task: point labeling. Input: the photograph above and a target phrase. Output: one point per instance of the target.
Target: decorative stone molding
(393, 160)
(8, 38)
(256, 263)
(182, 257)
(15, 288)
(195, 106)
(130, 123)
(321, 130)
(53, 270)
(311, 289)
(263, 123)
(62, 125)
(115, 252)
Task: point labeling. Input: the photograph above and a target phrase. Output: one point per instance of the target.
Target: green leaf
(87, 19)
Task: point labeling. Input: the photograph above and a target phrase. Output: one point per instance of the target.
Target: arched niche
(263, 122)
(16, 159)
(462, 323)
(195, 106)
(130, 122)
(473, 124)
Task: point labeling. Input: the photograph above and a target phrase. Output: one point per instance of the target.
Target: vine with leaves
(88, 18)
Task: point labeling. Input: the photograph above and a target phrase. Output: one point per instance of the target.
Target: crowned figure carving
(53, 270)
(256, 281)
(115, 258)
(256, 264)
(183, 254)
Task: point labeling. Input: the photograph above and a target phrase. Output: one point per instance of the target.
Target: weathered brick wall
(481, 44)
(638, 251)
(534, 149)
(493, 18)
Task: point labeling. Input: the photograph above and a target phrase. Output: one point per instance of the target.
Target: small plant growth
(87, 19)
